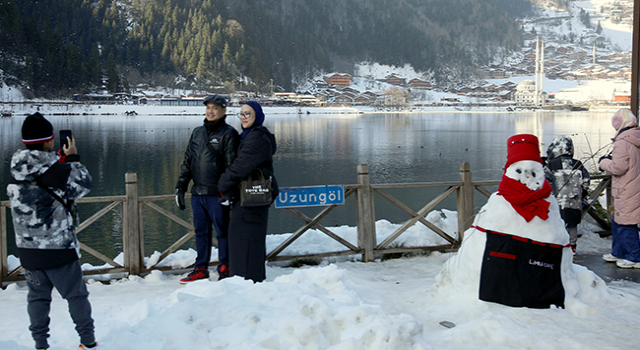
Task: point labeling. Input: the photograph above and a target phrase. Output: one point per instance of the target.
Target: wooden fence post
(466, 200)
(4, 269)
(365, 213)
(133, 257)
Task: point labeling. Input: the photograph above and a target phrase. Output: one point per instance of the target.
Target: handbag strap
(260, 173)
(66, 204)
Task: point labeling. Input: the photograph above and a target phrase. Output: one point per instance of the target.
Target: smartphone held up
(65, 135)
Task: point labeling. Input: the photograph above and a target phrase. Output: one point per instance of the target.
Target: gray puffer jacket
(40, 221)
(567, 176)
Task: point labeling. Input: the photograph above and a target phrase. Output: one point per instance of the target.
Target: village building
(416, 83)
(350, 90)
(493, 73)
(298, 99)
(338, 80)
(622, 97)
(395, 80)
(525, 93)
(362, 100)
(394, 100)
(344, 99)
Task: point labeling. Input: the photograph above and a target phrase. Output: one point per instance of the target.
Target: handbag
(255, 190)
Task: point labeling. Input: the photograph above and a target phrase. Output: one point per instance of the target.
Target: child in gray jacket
(42, 193)
(569, 181)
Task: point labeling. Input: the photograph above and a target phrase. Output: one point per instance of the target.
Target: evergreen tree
(113, 78)
(94, 70)
(227, 62)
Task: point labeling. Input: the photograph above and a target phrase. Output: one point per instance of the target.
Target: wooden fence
(367, 246)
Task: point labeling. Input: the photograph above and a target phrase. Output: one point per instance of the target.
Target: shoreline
(80, 109)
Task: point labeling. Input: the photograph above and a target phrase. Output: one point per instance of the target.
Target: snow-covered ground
(340, 304)
(618, 33)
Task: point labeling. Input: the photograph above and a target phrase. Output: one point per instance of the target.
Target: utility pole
(542, 101)
(536, 97)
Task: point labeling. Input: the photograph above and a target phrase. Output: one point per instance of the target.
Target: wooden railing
(367, 246)
(604, 185)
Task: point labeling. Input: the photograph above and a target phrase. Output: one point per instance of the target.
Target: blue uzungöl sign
(309, 196)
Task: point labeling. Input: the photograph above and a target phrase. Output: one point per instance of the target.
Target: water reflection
(313, 149)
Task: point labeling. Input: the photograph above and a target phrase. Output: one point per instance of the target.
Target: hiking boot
(198, 273)
(626, 264)
(610, 258)
(93, 345)
(223, 272)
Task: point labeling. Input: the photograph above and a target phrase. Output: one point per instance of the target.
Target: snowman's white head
(528, 172)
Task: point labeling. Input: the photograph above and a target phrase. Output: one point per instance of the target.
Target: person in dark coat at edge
(248, 226)
(211, 149)
(42, 193)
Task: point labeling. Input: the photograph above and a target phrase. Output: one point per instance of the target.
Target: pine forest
(56, 48)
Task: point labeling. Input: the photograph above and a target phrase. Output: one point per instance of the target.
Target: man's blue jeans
(209, 214)
(626, 241)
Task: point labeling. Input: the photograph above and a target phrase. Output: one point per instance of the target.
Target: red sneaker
(198, 273)
(223, 272)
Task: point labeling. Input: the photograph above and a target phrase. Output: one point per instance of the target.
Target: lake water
(312, 150)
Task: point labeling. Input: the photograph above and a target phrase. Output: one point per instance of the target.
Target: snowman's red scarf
(526, 202)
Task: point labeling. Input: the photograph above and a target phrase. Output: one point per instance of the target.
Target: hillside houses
(352, 97)
(303, 99)
(490, 92)
(494, 73)
(333, 89)
(566, 61)
(570, 56)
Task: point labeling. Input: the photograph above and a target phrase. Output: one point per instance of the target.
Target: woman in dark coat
(248, 225)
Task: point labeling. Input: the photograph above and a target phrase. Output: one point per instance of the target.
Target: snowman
(517, 251)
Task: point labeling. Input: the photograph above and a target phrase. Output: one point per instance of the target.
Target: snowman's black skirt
(521, 272)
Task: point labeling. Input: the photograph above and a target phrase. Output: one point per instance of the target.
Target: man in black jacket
(210, 151)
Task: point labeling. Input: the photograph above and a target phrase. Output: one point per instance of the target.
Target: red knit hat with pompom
(522, 147)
